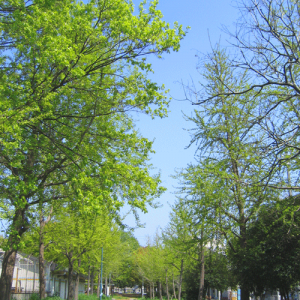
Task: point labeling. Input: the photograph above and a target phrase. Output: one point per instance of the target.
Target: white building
(26, 278)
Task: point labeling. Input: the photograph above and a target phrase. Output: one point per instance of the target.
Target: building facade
(26, 278)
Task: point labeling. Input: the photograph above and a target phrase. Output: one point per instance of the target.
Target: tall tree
(69, 74)
(266, 45)
(74, 235)
(151, 265)
(224, 185)
(179, 243)
(271, 260)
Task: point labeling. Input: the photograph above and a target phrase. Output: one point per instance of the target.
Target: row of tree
(243, 188)
(71, 72)
(70, 75)
(75, 241)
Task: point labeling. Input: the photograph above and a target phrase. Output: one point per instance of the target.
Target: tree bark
(98, 287)
(202, 272)
(77, 281)
(18, 226)
(180, 280)
(42, 279)
(245, 294)
(41, 260)
(153, 290)
(70, 280)
(174, 288)
(7, 273)
(160, 290)
(92, 281)
(167, 285)
(89, 279)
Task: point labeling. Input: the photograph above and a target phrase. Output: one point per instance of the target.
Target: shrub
(34, 297)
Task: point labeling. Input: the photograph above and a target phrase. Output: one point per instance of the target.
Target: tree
(224, 186)
(151, 264)
(69, 74)
(271, 260)
(267, 48)
(42, 222)
(217, 274)
(193, 241)
(123, 267)
(74, 235)
(192, 231)
(180, 242)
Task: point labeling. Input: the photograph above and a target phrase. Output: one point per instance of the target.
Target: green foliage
(69, 82)
(91, 297)
(34, 297)
(37, 297)
(151, 262)
(181, 244)
(217, 274)
(125, 272)
(222, 191)
(271, 259)
(221, 188)
(267, 45)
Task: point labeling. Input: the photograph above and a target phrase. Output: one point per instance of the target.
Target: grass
(37, 297)
(88, 297)
(92, 297)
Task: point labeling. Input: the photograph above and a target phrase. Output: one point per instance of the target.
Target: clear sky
(206, 18)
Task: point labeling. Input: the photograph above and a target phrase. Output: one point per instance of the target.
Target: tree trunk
(42, 264)
(41, 259)
(202, 272)
(7, 273)
(70, 280)
(153, 290)
(77, 281)
(89, 280)
(92, 282)
(245, 294)
(98, 288)
(160, 291)
(167, 285)
(42, 279)
(150, 290)
(19, 226)
(180, 280)
(174, 290)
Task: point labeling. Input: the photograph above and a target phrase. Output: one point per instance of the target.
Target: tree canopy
(70, 74)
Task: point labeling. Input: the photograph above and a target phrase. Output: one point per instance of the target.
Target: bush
(34, 297)
(37, 297)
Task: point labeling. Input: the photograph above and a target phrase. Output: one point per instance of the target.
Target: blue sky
(206, 18)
